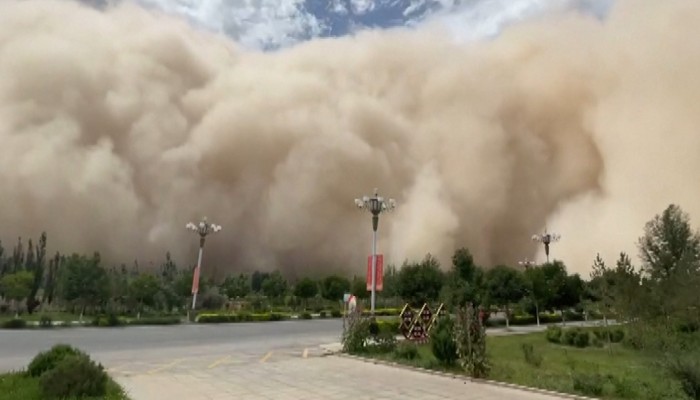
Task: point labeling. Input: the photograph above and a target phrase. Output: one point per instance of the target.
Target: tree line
(662, 287)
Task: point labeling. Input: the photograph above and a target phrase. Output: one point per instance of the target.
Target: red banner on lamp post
(380, 273)
(195, 281)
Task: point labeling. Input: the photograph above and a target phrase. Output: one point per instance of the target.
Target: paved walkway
(295, 374)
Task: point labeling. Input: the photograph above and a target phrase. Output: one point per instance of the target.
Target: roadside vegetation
(653, 352)
(62, 372)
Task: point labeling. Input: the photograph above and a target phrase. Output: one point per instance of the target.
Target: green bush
(322, 314)
(278, 316)
(385, 343)
(108, 320)
(242, 317)
(15, 323)
(687, 372)
(336, 313)
(582, 339)
(74, 376)
(373, 328)
(569, 336)
(389, 326)
(156, 321)
(356, 334)
(531, 357)
(617, 335)
(383, 312)
(597, 342)
(406, 350)
(45, 321)
(47, 360)
(442, 342)
(305, 315)
(553, 334)
(588, 384)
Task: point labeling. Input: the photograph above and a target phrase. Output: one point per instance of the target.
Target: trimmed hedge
(15, 323)
(383, 312)
(156, 321)
(228, 318)
(389, 326)
(520, 320)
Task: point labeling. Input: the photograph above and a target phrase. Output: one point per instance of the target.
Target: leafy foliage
(47, 360)
(333, 287)
(442, 341)
(470, 336)
(531, 356)
(420, 283)
(74, 376)
(356, 334)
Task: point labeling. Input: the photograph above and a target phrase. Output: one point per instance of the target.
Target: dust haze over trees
(480, 144)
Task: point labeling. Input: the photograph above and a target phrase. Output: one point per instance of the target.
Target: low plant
(47, 360)
(406, 350)
(322, 314)
(686, 370)
(305, 315)
(553, 334)
(356, 334)
(45, 321)
(385, 342)
(588, 384)
(74, 376)
(15, 323)
(336, 313)
(442, 342)
(156, 321)
(531, 356)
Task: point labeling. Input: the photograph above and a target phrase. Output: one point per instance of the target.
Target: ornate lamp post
(546, 239)
(202, 229)
(526, 263)
(375, 205)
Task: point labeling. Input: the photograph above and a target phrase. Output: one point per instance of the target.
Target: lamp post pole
(546, 239)
(202, 229)
(375, 205)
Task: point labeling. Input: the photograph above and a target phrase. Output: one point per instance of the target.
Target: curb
(464, 378)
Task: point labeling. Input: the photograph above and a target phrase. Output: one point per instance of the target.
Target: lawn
(621, 372)
(16, 386)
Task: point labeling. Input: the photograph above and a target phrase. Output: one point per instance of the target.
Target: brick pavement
(296, 374)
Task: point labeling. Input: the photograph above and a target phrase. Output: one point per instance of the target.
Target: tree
(84, 281)
(143, 290)
(333, 287)
(274, 286)
(236, 287)
(504, 286)
(36, 264)
(359, 287)
(17, 286)
(306, 289)
(465, 281)
(668, 243)
(538, 289)
(257, 280)
(602, 286)
(51, 278)
(420, 283)
(390, 285)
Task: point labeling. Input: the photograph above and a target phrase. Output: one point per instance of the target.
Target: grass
(611, 373)
(17, 385)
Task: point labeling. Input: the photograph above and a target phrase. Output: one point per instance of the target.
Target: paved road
(244, 361)
(152, 343)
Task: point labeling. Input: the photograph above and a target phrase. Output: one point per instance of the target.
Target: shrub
(531, 357)
(74, 376)
(687, 372)
(45, 321)
(617, 335)
(355, 336)
(553, 334)
(156, 321)
(322, 314)
(442, 342)
(374, 328)
(278, 316)
(597, 342)
(388, 326)
(336, 313)
(47, 360)
(569, 336)
(15, 323)
(305, 315)
(385, 343)
(582, 339)
(406, 350)
(588, 384)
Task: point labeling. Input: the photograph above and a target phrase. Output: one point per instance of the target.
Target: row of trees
(669, 249)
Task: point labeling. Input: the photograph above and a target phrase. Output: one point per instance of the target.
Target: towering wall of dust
(118, 127)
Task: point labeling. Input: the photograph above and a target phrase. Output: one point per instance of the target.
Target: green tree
(274, 286)
(333, 287)
(504, 286)
(602, 286)
(421, 283)
(538, 289)
(236, 287)
(465, 281)
(84, 282)
(143, 290)
(669, 243)
(52, 278)
(16, 287)
(257, 279)
(306, 289)
(359, 287)
(36, 264)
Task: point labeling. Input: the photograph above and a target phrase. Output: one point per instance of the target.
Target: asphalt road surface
(144, 344)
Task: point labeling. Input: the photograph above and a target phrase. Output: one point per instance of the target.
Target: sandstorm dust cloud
(117, 127)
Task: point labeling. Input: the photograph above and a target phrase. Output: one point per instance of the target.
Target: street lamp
(202, 229)
(526, 263)
(375, 205)
(547, 239)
